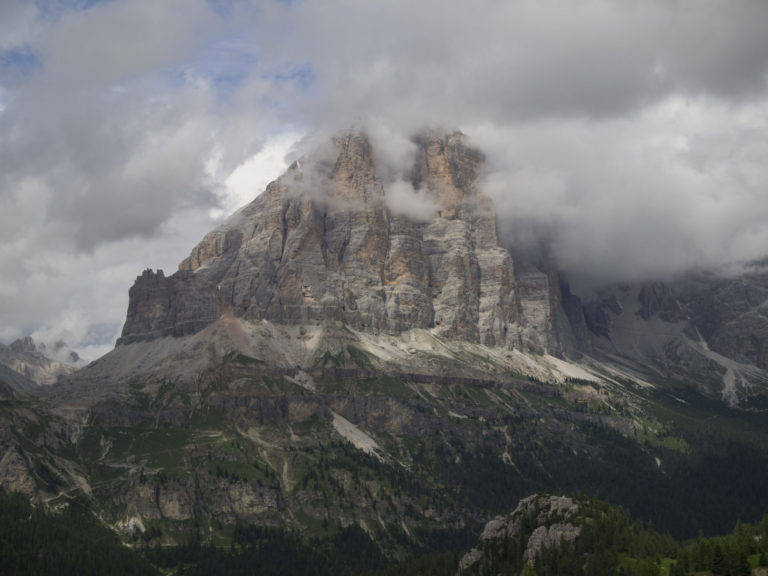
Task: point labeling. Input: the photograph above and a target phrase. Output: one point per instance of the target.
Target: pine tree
(719, 564)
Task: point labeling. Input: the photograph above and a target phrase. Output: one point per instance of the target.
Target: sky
(629, 135)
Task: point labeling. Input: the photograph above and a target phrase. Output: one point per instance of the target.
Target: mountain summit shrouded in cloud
(630, 136)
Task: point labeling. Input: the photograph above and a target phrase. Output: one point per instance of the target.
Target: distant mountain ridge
(702, 329)
(30, 360)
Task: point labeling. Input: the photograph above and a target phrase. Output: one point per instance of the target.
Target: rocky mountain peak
(448, 166)
(30, 360)
(25, 345)
(323, 245)
(353, 175)
(58, 351)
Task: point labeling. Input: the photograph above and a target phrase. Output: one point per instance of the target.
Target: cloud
(18, 22)
(312, 174)
(119, 41)
(107, 149)
(630, 136)
(508, 61)
(676, 186)
(402, 199)
(251, 177)
(612, 131)
(394, 150)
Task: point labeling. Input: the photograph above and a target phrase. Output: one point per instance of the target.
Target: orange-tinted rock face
(321, 245)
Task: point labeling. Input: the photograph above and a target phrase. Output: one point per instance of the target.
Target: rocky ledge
(541, 521)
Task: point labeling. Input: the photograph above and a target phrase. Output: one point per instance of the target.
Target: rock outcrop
(539, 521)
(174, 306)
(321, 246)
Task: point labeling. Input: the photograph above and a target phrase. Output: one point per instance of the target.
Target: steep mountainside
(322, 360)
(705, 330)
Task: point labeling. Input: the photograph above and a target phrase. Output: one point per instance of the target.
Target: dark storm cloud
(630, 135)
(510, 61)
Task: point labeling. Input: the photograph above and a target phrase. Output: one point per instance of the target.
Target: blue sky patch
(226, 62)
(53, 9)
(16, 63)
(302, 76)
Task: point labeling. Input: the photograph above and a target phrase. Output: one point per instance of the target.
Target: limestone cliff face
(175, 306)
(321, 246)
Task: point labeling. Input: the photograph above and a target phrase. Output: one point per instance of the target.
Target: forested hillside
(609, 541)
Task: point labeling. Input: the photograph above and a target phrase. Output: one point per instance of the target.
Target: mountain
(320, 262)
(323, 251)
(321, 246)
(323, 361)
(704, 330)
(29, 359)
